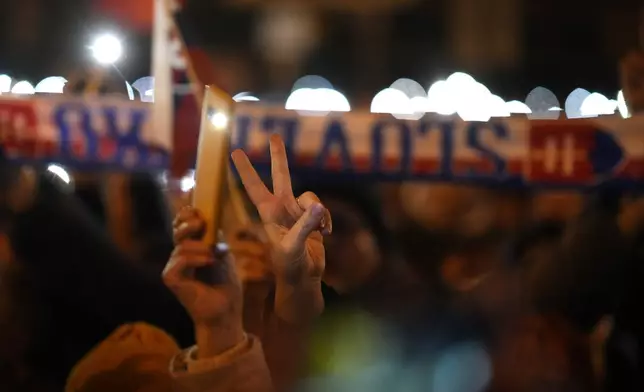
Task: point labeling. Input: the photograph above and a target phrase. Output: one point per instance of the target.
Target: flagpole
(235, 197)
(162, 109)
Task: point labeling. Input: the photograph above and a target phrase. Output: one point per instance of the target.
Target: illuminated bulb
(107, 49)
(51, 85)
(5, 84)
(23, 88)
(219, 120)
(621, 105)
(60, 173)
(187, 183)
(245, 97)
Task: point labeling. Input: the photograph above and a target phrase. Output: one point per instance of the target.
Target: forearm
(298, 303)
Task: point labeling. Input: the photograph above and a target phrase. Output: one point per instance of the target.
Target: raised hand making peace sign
(294, 226)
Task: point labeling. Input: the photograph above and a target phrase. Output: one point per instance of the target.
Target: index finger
(255, 188)
(279, 167)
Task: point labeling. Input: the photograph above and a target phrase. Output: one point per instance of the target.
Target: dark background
(560, 44)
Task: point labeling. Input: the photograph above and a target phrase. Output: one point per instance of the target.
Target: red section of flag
(195, 69)
(137, 14)
(186, 135)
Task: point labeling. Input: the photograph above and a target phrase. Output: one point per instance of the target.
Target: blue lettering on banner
(447, 143)
(378, 140)
(334, 137)
(286, 127)
(474, 131)
(61, 119)
(243, 128)
(128, 138)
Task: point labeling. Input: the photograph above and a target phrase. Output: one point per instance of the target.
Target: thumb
(309, 222)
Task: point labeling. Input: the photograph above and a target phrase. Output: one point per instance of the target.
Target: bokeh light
(187, 182)
(5, 84)
(107, 49)
(541, 102)
(517, 107)
(409, 87)
(23, 88)
(51, 85)
(574, 101)
(245, 97)
(311, 82)
(597, 104)
(317, 101)
(145, 87)
(621, 105)
(60, 172)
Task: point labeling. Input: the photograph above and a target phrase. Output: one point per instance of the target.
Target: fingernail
(317, 209)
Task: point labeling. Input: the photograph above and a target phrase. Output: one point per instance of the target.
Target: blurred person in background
(363, 268)
(81, 287)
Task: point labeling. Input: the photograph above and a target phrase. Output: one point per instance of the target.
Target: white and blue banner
(111, 133)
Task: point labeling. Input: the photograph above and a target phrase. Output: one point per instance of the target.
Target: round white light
(51, 85)
(5, 84)
(245, 97)
(60, 173)
(621, 105)
(440, 99)
(318, 101)
(391, 101)
(597, 104)
(219, 120)
(410, 87)
(187, 183)
(541, 101)
(517, 107)
(107, 49)
(312, 82)
(23, 88)
(143, 85)
(574, 102)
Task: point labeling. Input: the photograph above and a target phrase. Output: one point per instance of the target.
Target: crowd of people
(482, 290)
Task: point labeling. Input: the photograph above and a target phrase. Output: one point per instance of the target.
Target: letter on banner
(335, 153)
(87, 146)
(243, 126)
(285, 126)
(493, 164)
(446, 147)
(129, 138)
(380, 162)
(559, 152)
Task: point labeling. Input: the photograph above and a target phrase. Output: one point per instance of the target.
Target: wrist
(214, 340)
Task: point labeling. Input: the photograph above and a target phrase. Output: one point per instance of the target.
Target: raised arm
(205, 281)
(295, 228)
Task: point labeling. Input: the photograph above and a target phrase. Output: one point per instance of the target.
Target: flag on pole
(186, 71)
(181, 69)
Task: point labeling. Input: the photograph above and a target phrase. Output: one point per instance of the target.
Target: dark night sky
(567, 43)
